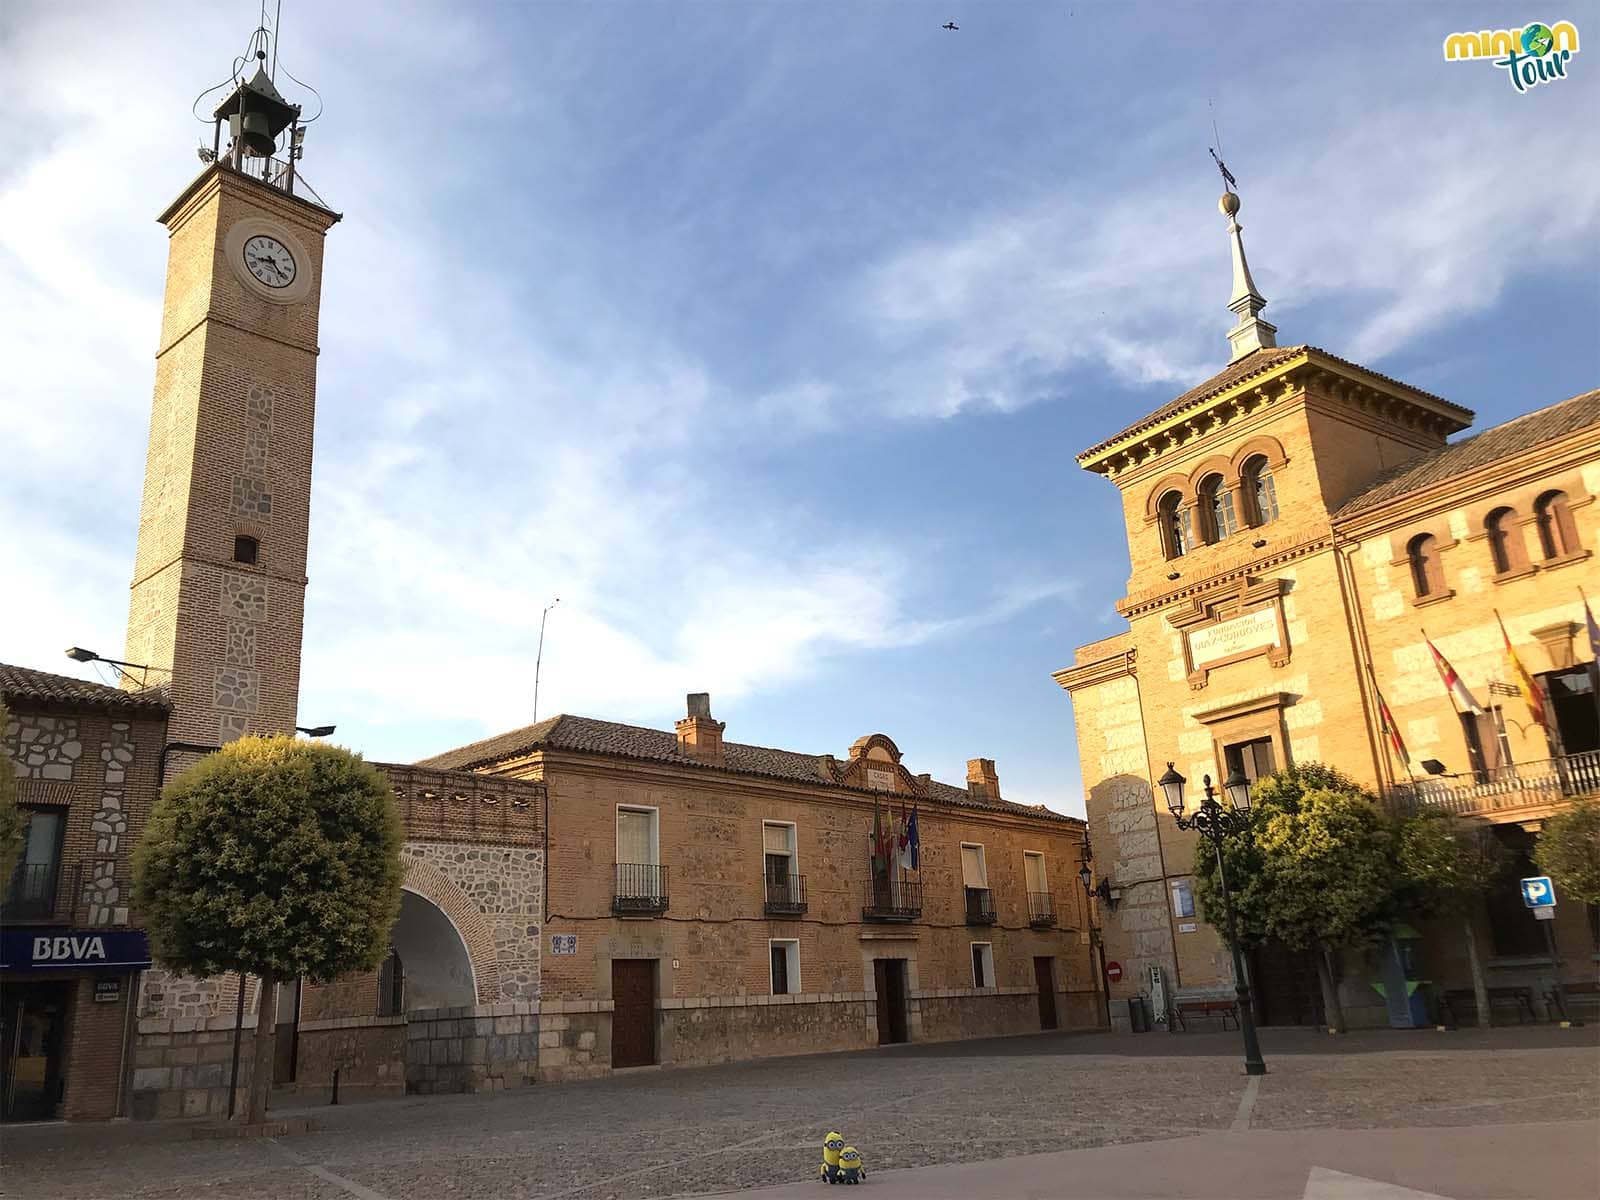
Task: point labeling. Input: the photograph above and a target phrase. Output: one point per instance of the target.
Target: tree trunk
(255, 1109)
(1480, 986)
(1332, 1009)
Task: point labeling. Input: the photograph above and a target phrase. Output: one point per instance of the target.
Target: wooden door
(633, 1016)
(889, 976)
(1044, 972)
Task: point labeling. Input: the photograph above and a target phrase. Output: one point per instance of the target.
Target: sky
(763, 334)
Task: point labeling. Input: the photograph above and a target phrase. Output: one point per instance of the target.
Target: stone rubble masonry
(472, 1047)
(500, 920)
(43, 747)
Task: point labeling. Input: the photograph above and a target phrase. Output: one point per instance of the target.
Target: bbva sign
(56, 949)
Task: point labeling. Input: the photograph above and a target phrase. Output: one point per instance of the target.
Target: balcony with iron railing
(32, 894)
(980, 906)
(280, 173)
(891, 900)
(786, 895)
(1041, 910)
(1517, 789)
(641, 888)
(90, 893)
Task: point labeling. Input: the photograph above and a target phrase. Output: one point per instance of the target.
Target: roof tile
(44, 687)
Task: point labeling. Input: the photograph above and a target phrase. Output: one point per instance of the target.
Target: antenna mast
(539, 658)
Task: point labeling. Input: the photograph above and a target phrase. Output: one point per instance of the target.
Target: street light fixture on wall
(316, 730)
(79, 654)
(1214, 822)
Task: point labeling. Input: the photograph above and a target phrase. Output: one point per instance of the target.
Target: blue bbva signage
(73, 949)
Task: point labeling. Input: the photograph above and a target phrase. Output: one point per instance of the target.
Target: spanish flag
(1393, 732)
(1531, 695)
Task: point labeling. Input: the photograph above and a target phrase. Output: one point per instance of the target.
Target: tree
(1315, 871)
(1568, 850)
(11, 822)
(275, 858)
(1446, 865)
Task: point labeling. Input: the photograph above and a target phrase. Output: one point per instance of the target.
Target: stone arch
(1176, 482)
(426, 880)
(438, 969)
(1217, 464)
(875, 741)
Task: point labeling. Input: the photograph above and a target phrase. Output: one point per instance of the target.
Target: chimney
(982, 782)
(699, 736)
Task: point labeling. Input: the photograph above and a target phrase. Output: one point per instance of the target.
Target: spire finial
(1251, 332)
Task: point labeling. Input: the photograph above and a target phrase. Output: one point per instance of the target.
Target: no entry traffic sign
(1113, 971)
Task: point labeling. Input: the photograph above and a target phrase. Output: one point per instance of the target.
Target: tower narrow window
(246, 549)
(1505, 540)
(1175, 533)
(1263, 493)
(1217, 503)
(1558, 533)
(1427, 573)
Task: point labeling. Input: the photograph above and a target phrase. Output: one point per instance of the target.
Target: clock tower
(220, 572)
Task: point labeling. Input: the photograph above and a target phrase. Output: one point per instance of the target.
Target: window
(637, 840)
(1182, 899)
(1254, 758)
(1175, 534)
(1033, 872)
(1558, 534)
(1217, 503)
(246, 549)
(1505, 541)
(1427, 573)
(641, 879)
(982, 965)
(1258, 486)
(785, 954)
(974, 873)
(392, 986)
(1488, 749)
(33, 882)
(785, 888)
(1572, 707)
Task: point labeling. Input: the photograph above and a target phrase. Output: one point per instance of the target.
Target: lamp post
(538, 660)
(79, 654)
(1214, 823)
(1086, 877)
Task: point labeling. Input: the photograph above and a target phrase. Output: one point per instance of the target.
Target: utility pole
(539, 658)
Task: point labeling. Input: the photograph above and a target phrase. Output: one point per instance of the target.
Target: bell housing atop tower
(257, 113)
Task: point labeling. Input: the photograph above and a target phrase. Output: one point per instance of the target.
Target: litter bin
(1138, 1014)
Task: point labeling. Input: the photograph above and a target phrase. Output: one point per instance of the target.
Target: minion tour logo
(1535, 54)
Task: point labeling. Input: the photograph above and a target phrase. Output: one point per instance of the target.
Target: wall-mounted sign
(74, 949)
(1113, 971)
(1187, 927)
(563, 943)
(107, 990)
(880, 779)
(1255, 630)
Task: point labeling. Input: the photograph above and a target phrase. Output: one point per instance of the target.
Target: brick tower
(219, 577)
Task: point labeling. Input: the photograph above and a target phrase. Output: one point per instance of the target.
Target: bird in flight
(950, 25)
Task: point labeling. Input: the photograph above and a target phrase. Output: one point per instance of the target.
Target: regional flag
(1594, 629)
(1526, 684)
(1393, 732)
(1452, 682)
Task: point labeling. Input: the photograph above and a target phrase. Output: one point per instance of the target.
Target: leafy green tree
(1315, 870)
(1446, 866)
(276, 858)
(11, 821)
(1568, 850)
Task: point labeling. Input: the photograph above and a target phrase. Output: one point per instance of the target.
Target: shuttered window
(1033, 868)
(776, 838)
(634, 841)
(973, 874)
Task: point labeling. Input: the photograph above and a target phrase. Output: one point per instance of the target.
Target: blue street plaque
(1539, 892)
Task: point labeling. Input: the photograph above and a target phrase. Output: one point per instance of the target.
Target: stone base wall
(472, 1047)
(952, 1014)
(181, 1066)
(764, 1027)
(369, 1053)
(574, 1039)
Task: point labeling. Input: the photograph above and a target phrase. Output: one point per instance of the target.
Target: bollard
(335, 1098)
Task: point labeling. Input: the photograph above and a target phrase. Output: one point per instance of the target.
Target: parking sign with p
(1539, 892)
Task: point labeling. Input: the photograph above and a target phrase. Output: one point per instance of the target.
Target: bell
(254, 132)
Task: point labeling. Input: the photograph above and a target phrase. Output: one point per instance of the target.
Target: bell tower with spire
(220, 571)
(1251, 332)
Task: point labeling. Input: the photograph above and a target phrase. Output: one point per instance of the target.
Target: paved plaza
(1366, 1116)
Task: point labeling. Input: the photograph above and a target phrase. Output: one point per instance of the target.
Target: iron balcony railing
(32, 894)
(94, 892)
(980, 906)
(1041, 909)
(1517, 785)
(641, 888)
(281, 173)
(786, 894)
(892, 900)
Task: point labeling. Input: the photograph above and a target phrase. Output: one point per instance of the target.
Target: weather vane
(1227, 175)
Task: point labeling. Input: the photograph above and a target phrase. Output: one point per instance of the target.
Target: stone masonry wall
(472, 1048)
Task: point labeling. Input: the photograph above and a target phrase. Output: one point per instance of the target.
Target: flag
(902, 839)
(1452, 682)
(1594, 630)
(880, 859)
(1393, 732)
(913, 842)
(1531, 695)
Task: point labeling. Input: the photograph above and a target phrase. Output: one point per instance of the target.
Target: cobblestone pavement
(656, 1133)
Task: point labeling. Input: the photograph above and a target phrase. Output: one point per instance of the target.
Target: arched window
(1427, 573)
(1558, 533)
(1176, 537)
(1217, 503)
(392, 986)
(1261, 491)
(1505, 540)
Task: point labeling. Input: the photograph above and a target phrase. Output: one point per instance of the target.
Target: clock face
(269, 260)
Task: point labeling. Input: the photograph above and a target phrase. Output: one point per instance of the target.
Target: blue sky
(763, 334)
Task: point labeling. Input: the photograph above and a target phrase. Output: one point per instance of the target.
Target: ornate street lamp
(1214, 822)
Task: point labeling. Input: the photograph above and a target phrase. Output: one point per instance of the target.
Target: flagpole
(1593, 631)
(1388, 738)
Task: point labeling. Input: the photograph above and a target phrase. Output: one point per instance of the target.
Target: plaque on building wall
(563, 943)
(1231, 625)
(880, 779)
(1256, 630)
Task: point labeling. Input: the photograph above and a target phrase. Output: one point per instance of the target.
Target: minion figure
(850, 1168)
(831, 1145)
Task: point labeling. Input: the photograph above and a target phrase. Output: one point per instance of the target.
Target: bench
(1228, 1010)
(1460, 1002)
(1578, 996)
